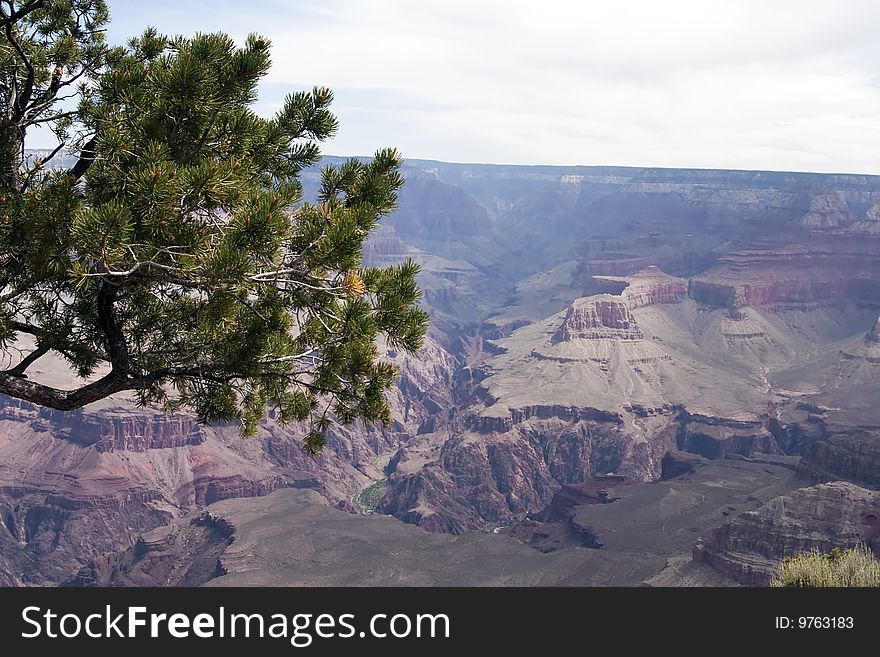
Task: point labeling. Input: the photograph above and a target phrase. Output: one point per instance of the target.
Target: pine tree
(177, 258)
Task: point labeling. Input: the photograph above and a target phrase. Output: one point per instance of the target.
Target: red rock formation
(651, 286)
(833, 268)
(75, 485)
(647, 287)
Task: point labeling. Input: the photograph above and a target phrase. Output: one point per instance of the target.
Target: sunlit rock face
(598, 318)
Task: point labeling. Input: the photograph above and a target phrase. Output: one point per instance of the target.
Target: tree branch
(24, 10)
(24, 96)
(86, 157)
(62, 400)
(111, 327)
(28, 360)
(23, 327)
(114, 382)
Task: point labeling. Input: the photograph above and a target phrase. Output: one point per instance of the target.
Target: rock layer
(597, 318)
(73, 486)
(825, 270)
(750, 547)
(853, 456)
(772, 286)
(512, 466)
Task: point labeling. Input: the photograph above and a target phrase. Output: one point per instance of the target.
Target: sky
(781, 85)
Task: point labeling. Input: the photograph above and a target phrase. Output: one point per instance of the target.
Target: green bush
(855, 567)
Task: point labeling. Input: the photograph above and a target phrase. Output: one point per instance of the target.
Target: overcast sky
(783, 85)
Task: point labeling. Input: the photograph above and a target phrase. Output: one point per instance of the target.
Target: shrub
(854, 567)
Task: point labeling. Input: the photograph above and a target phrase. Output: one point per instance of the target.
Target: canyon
(659, 376)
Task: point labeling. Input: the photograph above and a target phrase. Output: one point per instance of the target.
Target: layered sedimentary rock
(830, 268)
(505, 467)
(652, 369)
(73, 486)
(613, 385)
(751, 546)
(596, 318)
(823, 208)
(384, 247)
(501, 463)
(587, 320)
(422, 399)
(113, 430)
(62, 503)
(648, 287)
(719, 437)
(293, 538)
(853, 456)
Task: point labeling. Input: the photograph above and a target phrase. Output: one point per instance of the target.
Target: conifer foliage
(177, 258)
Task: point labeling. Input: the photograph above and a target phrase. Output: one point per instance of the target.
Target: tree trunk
(11, 144)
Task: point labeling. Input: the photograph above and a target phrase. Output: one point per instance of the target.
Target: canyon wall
(585, 321)
(750, 547)
(77, 485)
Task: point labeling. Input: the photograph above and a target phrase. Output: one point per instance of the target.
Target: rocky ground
(295, 538)
(642, 532)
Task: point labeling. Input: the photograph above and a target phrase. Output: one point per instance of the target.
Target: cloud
(711, 83)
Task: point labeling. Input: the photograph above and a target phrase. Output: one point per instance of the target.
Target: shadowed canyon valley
(632, 376)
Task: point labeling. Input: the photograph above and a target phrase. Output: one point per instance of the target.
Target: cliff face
(111, 431)
(422, 401)
(598, 317)
(823, 209)
(722, 438)
(853, 456)
(74, 486)
(504, 468)
(751, 546)
(654, 287)
(384, 247)
(611, 384)
(828, 269)
(62, 503)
